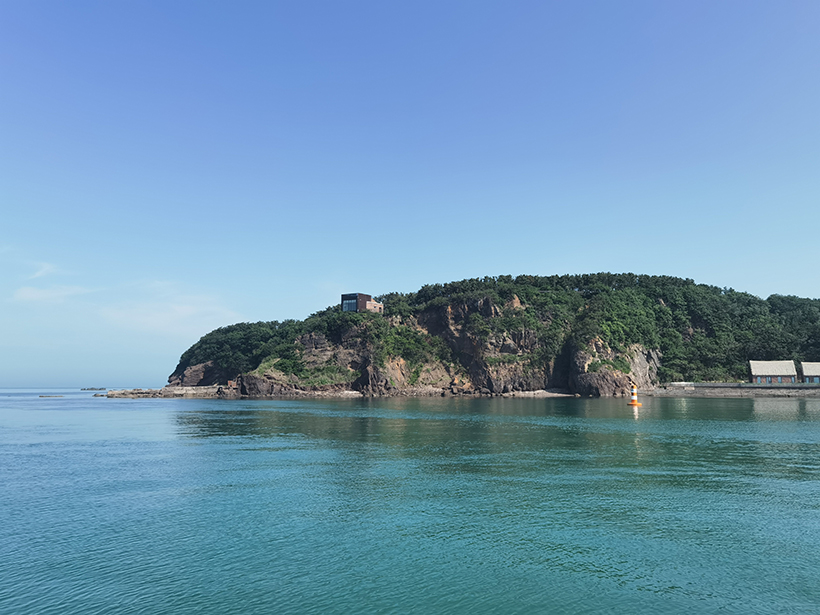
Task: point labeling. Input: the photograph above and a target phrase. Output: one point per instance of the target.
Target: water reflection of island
(692, 442)
(785, 409)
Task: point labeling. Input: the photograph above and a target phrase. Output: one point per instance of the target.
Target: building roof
(773, 368)
(811, 369)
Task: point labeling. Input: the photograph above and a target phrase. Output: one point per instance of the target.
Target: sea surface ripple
(408, 506)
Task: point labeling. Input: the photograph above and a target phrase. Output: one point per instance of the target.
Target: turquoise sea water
(408, 506)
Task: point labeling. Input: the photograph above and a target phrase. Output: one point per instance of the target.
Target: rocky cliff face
(493, 362)
(203, 374)
(485, 360)
(592, 371)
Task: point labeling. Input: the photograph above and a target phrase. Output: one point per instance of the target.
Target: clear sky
(170, 167)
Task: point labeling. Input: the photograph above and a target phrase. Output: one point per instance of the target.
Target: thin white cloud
(44, 270)
(53, 294)
(157, 308)
(163, 307)
(182, 316)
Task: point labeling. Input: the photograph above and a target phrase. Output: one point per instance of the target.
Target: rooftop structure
(359, 302)
(769, 372)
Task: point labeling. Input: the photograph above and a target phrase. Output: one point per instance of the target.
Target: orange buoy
(634, 400)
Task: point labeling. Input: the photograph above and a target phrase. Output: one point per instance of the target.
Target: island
(586, 335)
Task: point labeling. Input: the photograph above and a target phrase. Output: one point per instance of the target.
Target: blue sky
(170, 167)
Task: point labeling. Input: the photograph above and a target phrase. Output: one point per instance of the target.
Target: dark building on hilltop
(358, 302)
(773, 372)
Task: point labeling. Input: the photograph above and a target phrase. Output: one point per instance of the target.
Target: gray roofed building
(772, 371)
(773, 368)
(811, 372)
(811, 369)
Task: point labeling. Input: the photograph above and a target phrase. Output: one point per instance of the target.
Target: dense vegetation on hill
(704, 333)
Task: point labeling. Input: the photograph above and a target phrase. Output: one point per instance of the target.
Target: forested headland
(590, 333)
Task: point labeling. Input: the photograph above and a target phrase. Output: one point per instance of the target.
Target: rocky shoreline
(234, 392)
(677, 389)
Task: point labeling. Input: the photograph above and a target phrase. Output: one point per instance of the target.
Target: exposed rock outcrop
(593, 371)
(202, 374)
(486, 359)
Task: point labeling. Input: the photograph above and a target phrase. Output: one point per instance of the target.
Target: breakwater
(733, 389)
